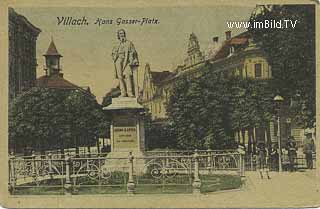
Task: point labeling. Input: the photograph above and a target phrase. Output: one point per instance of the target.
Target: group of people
(270, 160)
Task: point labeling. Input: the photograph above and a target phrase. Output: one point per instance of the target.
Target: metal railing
(119, 175)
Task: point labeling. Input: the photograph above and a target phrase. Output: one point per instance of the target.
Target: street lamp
(278, 100)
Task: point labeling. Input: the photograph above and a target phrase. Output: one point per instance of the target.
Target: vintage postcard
(159, 104)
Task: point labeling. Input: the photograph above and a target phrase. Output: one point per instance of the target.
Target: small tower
(52, 57)
(194, 54)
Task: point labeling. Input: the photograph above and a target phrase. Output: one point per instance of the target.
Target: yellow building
(235, 56)
(155, 92)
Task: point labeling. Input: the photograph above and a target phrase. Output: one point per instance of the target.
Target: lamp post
(278, 100)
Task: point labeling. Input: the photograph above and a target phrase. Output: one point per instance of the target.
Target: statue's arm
(114, 53)
(114, 56)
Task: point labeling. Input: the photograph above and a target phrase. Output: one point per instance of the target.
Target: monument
(126, 65)
(127, 125)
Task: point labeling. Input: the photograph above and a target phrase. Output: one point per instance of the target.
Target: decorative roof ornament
(52, 49)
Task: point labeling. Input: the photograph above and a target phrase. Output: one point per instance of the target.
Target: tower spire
(52, 57)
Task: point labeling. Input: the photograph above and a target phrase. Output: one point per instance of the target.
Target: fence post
(196, 185)
(167, 157)
(240, 165)
(50, 165)
(130, 184)
(68, 185)
(209, 151)
(243, 164)
(12, 174)
(241, 160)
(33, 166)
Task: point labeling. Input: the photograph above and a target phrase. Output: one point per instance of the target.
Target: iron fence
(73, 174)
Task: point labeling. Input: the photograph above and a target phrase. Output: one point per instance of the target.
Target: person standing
(292, 153)
(274, 157)
(308, 148)
(263, 158)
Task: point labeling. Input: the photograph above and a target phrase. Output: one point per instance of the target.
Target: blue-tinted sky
(86, 50)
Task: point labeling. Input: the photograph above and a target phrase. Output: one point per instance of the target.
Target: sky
(86, 50)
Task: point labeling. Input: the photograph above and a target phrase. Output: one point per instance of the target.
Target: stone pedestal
(126, 133)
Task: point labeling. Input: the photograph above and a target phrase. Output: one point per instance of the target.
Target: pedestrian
(292, 152)
(274, 157)
(308, 148)
(263, 157)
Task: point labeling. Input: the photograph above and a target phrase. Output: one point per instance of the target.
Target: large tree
(207, 112)
(199, 114)
(252, 106)
(291, 53)
(44, 118)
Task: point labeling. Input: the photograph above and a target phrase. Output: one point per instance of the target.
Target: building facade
(235, 56)
(155, 93)
(22, 53)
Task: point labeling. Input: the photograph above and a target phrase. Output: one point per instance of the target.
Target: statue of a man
(126, 62)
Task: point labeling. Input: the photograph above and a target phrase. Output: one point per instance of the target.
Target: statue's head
(121, 33)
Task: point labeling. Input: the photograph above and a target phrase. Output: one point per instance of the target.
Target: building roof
(14, 15)
(241, 39)
(52, 50)
(236, 41)
(158, 77)
(55, 81)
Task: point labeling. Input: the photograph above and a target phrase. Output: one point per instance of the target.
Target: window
(257, 70)
(231, 50)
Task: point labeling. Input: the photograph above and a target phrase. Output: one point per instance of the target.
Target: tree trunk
(238, 136)
(243, 132)
(249, 140)
(269, 144)
(254, 140)
(61, 148)
(98, 145)
(77, 147)
(89, 151)
(42, 151)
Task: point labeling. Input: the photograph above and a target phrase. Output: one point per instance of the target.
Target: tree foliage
(159, 134)
(44, 118)
(291, 53)
(207, 111)
(251, 102)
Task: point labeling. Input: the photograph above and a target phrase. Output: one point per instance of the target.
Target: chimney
(215, 39)
(228, 35)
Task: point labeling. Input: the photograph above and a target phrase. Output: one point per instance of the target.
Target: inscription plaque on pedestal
(125, 137)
